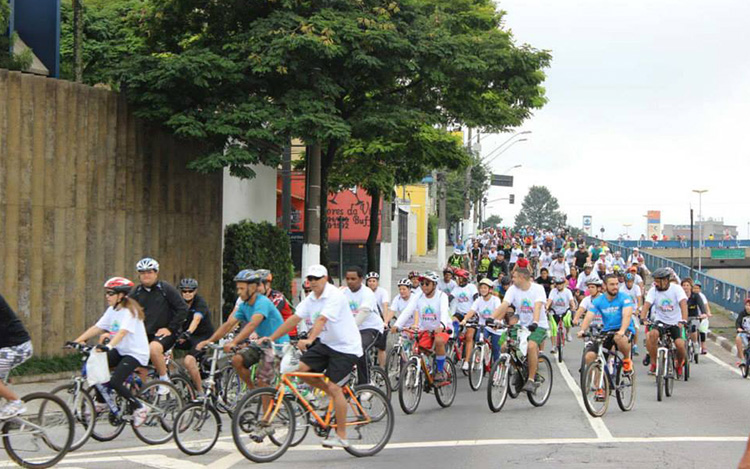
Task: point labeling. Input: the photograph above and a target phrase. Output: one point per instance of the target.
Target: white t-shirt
(534, 252)
(514, 255)
(135, 342)
(586, 305)
(361, 299)
(634, 293)
(431, 312)
(560, 300)
(464, 297)
(446, 287)
(399, 304)
(583, 278)
(665, 305)
(525, 301)
(570, 256)
(484, 309)
(546, 259)
(381, 298)
(559, 269)
(340, 332)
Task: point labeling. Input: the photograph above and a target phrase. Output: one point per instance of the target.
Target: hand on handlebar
(580, 334)
(532, 327)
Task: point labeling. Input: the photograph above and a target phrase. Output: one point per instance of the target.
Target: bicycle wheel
(476, 369)
(232, 387)
(660, 368)
(596, 389)
(164, 402)
(744, 370)
(445, 392)
(197, 427)
(367, 439)
(184, 386)
(625, 391)
(560, 343)
(82, 407)
(686, 369)
(544, 379)
(302, 421)
(497, 388)
(42, 435)
(515, 382)
(410, 391)
(669, 377)
(393, 368)
(107, 426)
(257, 440)
(379, 379)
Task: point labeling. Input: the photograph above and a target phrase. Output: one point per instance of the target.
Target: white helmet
(147, 264)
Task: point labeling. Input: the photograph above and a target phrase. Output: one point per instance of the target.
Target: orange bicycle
(264, 421)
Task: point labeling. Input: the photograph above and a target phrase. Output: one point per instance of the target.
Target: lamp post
(627, 229)
(700, 193)
(487, 162)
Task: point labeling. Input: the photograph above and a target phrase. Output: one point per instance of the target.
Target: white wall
(250, 199)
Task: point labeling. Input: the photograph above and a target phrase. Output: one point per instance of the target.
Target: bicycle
(745, 366)
(397, 357)
(510, 372)
(416, 376)
(265, 421)
(560, 335)
(594, 329)
(455, 348)
(605, 374)
(480, 362)
(665, 363)
(693, 347)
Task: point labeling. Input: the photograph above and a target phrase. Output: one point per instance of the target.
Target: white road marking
(601, 430)
(718, 361)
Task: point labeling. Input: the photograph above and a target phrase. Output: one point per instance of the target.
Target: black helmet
(662, 272)
(505, 281)
(188, 284)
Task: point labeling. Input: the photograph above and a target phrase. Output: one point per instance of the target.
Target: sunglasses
(310, 278)
(426, 282)
(188, 291)
(110, 293)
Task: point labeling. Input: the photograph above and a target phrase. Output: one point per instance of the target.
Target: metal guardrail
(717, 243)
(727, 295)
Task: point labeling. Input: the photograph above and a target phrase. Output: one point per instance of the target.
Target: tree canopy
(540, 210)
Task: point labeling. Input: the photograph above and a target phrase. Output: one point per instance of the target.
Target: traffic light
(512, 199)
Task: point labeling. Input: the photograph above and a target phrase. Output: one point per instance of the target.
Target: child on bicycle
(128, 348)
(15, 348)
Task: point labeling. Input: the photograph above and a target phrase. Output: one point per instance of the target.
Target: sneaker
(569, 338)
(465, 366)
(652, 370)
(553, 351)
(334, 441)
(440, 377)
(635, 350)
(646, 360)
(627, 365)
(530, 386)
(139, 416)
(100, 407)
(365, 397)
(164, 390)
(599, 395)
(704, 351)
(12, 409)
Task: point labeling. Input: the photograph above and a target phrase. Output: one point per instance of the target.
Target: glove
(103, 348)
(187, 335)
(532, 327)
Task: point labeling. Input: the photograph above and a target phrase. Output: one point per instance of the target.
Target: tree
(9, 59)
(492, 221)
(540, 210)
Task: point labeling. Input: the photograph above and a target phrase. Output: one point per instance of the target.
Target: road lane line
(601, 430)
(714, 359)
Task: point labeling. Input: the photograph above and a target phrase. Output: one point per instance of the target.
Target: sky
(648, 100)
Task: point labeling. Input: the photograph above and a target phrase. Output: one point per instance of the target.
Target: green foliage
(249, 245)
(7, 59)
(456, 189)
(46, 365)
(492, 221)
(540, 210)
(432, 231)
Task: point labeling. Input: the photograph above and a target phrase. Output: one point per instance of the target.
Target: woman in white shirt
(128, 348)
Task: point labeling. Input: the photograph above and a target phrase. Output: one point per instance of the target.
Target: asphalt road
(704, 424)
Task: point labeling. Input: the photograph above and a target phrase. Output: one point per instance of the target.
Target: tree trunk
(325, 166)
(372, 237)
(78, 40)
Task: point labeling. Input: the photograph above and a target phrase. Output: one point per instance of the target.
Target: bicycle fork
(661, 361)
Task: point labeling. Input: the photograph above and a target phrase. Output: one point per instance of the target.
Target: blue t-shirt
(271, 317)
(611, 311)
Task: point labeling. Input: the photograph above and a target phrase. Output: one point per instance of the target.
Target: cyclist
(697, 286)
(128, 348)
(586, 275)
(446, 284)
(545, 281)
(399, 302)
(631, 289)
(546, 258)
(334, 344)
(277, 298)
(743, 331)
(528, 300)
(198, 328)
(534, 254)
(165, 312)
(482, 308)
(616, 310)
(456, 260)
(501, 287)
(581, 257)
(594, 289)
(414, 279)
(669, 305)
(363, 305)
(430, 316)
(560, 303)
(484, 264)
(498, 267)
(558, 267)
(260, 316)
(461, 299)
(381, 301)
(15, 348)
(696, 307)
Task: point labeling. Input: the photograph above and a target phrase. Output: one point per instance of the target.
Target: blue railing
(727, 295)
(717, 243)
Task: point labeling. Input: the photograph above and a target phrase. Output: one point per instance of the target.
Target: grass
(41, 366)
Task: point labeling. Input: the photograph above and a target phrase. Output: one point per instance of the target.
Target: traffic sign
(501, 180)
(727, 253)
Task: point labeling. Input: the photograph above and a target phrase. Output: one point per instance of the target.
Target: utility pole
(467, 197)
(77, 40)
(442, 222)
(692, 259)
(700, 226)
(311, 245)
(386, 251)
(286, 188)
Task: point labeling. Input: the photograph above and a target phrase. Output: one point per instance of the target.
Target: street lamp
(506, 149)
(700, 193)
(518, 166)
(525, 132)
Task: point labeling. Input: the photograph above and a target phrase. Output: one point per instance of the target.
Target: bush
(249, 245)
(432, 231)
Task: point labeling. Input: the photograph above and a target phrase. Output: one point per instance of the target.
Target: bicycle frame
(665, 349)
(602, 357)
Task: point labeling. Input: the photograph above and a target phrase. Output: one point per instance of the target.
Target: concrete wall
(739, 277)
(85, 191)
(250, 199)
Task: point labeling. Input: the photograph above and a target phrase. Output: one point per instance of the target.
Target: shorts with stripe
(11, 357)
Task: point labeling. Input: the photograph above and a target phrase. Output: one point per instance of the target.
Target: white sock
(17, 402)
(164, 377)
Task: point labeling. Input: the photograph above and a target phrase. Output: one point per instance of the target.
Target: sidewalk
(421, 264)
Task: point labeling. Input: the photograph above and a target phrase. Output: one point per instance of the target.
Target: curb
(725, 343)
(28, 379)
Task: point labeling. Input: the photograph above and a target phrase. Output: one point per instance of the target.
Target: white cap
(317, 270)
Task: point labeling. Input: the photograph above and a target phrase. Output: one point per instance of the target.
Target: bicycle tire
(393, 368)
(535, 399)
(388, 414)
(515, 382)
(660, 377)
(184, 386)
(61, 450)
(379, 379)
(446, 394)
(625, 381)
(106, 418)
(84, 413)
(669, 378)
(560, 342)
(497, 385)
(589, 393)
(244, 423)
(686, 370)
(302, 421)
(411, 384)
(195, 413)
(168, 405)
(476, 369)
(744, 370)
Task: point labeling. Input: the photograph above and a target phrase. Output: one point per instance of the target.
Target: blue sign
(37, 22)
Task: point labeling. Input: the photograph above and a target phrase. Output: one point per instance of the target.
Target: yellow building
(419, 195)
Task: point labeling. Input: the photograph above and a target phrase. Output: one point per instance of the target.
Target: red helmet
(119, 285)
(461, 273)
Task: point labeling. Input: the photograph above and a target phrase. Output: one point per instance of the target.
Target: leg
(6, 393)
(533, 357)
(339, 405)
(623, 345)
(156, 351)
(652, 339)
(238, 363)
(469, 342)
(740, 347)
(681, 353)
(191, 364)
(368, 339)
(121, 372)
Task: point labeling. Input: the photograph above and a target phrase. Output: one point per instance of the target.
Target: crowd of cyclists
(539, 282)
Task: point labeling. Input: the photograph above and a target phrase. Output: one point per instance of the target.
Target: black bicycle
(604, 375)
(745, 365)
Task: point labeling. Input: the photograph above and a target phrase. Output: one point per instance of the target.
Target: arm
(220, 332)
(92, 331)
(387, 313)
(246, 331)
(118, 338)
(586, 321)
(197, 317)
(537, 310)
(645, 311)
(627, 313)
(684, 309)
(500, 312)
(179, 309)
(468, 316)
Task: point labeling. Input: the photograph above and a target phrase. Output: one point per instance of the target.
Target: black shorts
(337, 366)
(189, 345)
(382, 340)
(608, 344)
(459, 316)
(166, 342)
(672, 331)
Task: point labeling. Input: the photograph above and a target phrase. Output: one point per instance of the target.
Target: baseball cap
(317, 270)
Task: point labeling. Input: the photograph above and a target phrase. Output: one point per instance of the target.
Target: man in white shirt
(585, 276)
(670, 308)
(446, 284)
(560, 302)
(528, 299)
(545, 260)
(333, 344)
(482, 307)
(619, 261)
(363, 305)
(558, 267)
(383, 302)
